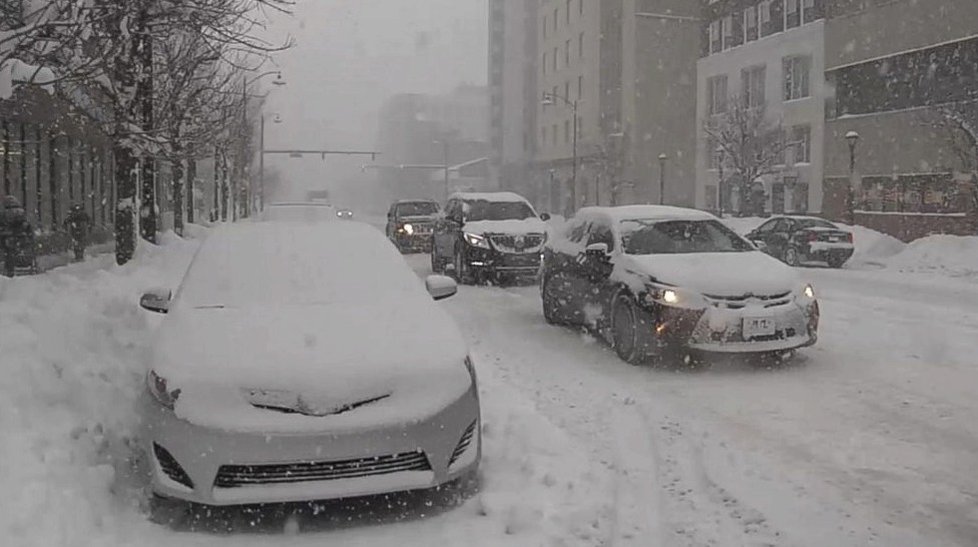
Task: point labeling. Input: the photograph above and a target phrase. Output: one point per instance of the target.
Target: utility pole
(662, 178)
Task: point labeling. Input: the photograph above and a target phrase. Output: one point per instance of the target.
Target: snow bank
(954, 256)
(68, 343)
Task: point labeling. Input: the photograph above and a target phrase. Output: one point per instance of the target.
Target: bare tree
(751, 145)
(958, 121)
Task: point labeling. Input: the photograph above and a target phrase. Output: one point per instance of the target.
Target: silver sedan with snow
(304, 362)
(655, 280)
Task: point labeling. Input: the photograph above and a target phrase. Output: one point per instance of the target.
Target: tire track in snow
(638, 513)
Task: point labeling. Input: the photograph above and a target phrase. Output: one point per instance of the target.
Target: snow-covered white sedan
(304, 362)
(657, 280)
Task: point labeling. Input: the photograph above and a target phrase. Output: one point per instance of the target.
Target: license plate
(835, 239)
(759, 326)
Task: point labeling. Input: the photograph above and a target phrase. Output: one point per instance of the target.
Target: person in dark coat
(16, 234)
(78, 224)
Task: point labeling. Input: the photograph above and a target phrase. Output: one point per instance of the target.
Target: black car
(410, 224)
(797, 239)
(488, 236)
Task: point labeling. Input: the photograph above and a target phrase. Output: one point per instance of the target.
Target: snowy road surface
(869, 438)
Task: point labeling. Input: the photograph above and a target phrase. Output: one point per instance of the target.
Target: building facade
(766, 55)
(627, 68)
(899, 70)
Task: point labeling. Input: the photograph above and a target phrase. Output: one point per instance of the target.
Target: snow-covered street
(869, 438)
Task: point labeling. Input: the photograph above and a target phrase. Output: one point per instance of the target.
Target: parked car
(488, 236)
(298, 211)
(658, 281)
(306, 362)
(410, 224)
(799, 239)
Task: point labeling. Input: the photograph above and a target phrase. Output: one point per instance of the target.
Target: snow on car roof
(400, 201)
(490, 196)
(647, 212)
(295, 263)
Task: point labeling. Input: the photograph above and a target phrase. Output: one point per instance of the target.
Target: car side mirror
(441, 287)
(545, 217)
(597, 251)
(156, 301)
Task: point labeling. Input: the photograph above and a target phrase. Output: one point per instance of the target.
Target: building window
(580, 46)
(812, 10)
(556, 14)
(716, 89)
(555, 59)
(567, 46)
(580, 7)
(716, 38)
(750, 24)
(580, 87)
(544, 64)
(712, 156)
(752, 86)
(792, 15)
(799, 197)
(801, 143)
(733, 31)
(772, 17)
(544, 27)
(796, 77)
(568, 12)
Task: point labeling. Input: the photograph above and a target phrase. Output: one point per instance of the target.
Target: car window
(815, 223)
(767, 227)
(600, 232)
(576, 231)
(419, 208)
(478, 210)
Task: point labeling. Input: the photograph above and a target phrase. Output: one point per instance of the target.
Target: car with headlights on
(410, 224)
(657, 281)
(799, 239)
(305, 361)
(488, 236)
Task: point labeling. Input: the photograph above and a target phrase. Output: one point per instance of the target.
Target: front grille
(421, 229)
(518, 244)
(463, 443)
(170, 466)
(231, 476)
(741, 302)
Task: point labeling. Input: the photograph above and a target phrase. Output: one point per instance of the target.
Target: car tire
(836, 262)
(169, 512)
(552, 309)
(791, 257)
(624, 331)
(461, 273)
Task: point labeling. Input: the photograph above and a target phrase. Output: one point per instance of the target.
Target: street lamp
(721, 157)
(662, 178)
(853, 138)
(246, 82)
(279, 82)
(549, 99)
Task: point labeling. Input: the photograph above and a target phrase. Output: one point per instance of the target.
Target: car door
(563, 270)
(780, 237)
(596, 273)
(762, 235)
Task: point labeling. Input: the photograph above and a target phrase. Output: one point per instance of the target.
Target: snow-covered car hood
(391, 363)
(515, 227)
(717, 274)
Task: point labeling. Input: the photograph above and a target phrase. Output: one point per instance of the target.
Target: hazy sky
(350, 55)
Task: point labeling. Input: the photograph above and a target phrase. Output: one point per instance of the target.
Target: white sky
(351, 55)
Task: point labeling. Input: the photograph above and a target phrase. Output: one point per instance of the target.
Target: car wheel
(791, 257)
(461, 272)
(836, 262)
(168, 512)
(624, 331)
(552, 309)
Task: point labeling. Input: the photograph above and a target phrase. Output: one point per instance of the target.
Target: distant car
(298, 211)
(658, 281)
(410, 224)
(798, 239)
(488, 236)
(306, 362)
(345, 214)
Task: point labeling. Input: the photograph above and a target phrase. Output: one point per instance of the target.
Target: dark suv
(798, 239)
(488, 236)
(410, 223)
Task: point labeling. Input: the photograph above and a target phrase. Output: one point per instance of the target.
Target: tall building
(513, 92)
(899, 70)
(765, 56)
(627, 67)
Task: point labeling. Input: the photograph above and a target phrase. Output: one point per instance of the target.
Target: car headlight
(809, 291)
(476, 240)
(158, 387)
(408, 229)
(673, 296)
(805, 294)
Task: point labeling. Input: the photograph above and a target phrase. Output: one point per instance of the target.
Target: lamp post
(721, 156)
(548, 100)
(662, 178)
(279, 81)
(853, 138)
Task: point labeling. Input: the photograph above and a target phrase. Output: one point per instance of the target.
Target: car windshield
(645, 237)
(479, 210)
(418, 208)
